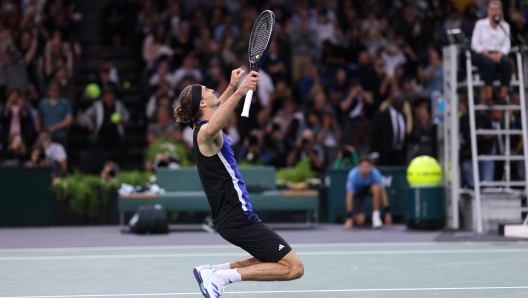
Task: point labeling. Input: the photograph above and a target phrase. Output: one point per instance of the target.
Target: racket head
(260, 38)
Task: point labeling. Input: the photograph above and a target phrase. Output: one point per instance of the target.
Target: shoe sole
(200, 282)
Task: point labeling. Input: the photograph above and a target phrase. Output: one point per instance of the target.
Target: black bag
(149, 220)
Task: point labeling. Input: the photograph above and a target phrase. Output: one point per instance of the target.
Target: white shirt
(392, 61)
(485, 38)
(55, 151)
(398, 128)
(264, 87)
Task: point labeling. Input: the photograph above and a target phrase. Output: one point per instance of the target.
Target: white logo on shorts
(281, 246)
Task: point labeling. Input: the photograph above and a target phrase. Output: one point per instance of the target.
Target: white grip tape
(247, 104)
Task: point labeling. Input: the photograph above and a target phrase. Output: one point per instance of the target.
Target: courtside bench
(184, 193)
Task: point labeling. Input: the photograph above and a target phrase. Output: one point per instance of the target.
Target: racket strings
(261, 35)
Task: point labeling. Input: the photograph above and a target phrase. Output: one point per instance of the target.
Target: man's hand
(349, 223)
(236, 75)
(388, 219)
(250, 82)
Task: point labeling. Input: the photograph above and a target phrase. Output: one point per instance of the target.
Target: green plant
(300, 173)
(170, 148)
(83, 190)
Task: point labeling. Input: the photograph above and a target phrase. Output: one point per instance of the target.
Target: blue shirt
(437, 81)
(51, 115)
(356, 183)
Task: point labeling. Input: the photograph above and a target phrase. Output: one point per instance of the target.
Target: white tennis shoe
(196, 272)
(213, 285)
(376, 222)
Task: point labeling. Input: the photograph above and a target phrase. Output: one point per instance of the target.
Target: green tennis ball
(93, 91)
(126, 84)
(424, 171)
(115, 118)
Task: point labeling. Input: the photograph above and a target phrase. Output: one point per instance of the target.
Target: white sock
(225, 266)
(229, 276)
(376, 214)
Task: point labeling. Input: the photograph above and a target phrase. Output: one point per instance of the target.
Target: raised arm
(221, 115)
(235, 78)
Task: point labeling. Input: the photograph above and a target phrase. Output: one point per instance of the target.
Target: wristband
(350, 214)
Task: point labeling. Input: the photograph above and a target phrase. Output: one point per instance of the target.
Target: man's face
(496, 115)
(45, 139)
(397, 102)
(209, 98)
(364, 168)
(53, 91)
(108, 98)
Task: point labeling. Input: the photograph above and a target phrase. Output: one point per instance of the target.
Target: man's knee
(295, 266)
(360, 219)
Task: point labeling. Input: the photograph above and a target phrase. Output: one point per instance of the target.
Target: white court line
(205, 246)
(279, 292)
(238, 254)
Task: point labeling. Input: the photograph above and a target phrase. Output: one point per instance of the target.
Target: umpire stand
(509, 200)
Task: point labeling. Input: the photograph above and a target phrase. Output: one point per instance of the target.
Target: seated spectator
(292, 119)
(276, 64)
(491, 45)
(305, 147)
(389, 138)
(105, 120)
(92, 159)
(39, 159)
(55, 153)
(484, 146)
(155, 46)
(347, 158)
(16, 119)
(16, 153)
(163, 97)
(362, 181)
(188, 69)
(163, 128)
(57, 55)
(110, 171)
(329, 137)
(55, 113)
(422, 133)
(162, 74)
(311, 79)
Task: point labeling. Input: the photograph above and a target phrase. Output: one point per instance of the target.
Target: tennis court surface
(483, 269)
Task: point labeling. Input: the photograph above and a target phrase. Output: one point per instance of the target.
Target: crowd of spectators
(341, 78)
(38, 54)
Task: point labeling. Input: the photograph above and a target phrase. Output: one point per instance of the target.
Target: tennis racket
(259, 42)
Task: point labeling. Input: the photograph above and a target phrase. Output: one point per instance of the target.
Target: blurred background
(88, 88)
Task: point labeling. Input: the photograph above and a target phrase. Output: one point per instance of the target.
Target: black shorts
(359, 201)
(255, 237)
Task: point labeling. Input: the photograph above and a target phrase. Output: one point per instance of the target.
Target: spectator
(16, 153)
(15, 63)
(182, 44)
(55, 113)
(362, 181)
(104, 81)
(434, 74)
(163, 128)
(311, 79)
(57, 55)
(303, 39)
(354, 108)
(347, 158)
(484, 145)
(105, 120)
(110, 171)
(305, 147)
(162, 74)
(154, 46)
(280, 148)
(491, 46)
(230, 129)
(329, 137)
(253, 150)
(276, 64)
(92, 159)
(16, 120)
(227, 25)
(188, 70)
(55, 153)
(389, 138)
(393, 58)
(38, 158)
(422, 133)
(164, 97)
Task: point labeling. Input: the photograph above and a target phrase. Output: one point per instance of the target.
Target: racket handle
(247, 103)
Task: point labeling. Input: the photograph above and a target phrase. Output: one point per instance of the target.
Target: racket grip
(247, 103)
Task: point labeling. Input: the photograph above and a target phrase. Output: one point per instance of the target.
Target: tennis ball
(257, 56)
(424, 171)
(93, 90)
(115, 118)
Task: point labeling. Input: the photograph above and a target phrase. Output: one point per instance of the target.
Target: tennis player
(272, 259)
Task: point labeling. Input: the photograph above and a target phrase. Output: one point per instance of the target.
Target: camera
(42, 156)
(253, 141)
(305, 142)
(347, 154)
(275, 127)
(112, 173)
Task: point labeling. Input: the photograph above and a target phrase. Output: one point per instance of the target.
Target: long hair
(183, 113)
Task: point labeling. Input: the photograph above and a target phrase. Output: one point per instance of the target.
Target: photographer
(355, 108)
(38, 158)
(279, 147)
(330, 136)
(305, 147)
(110, 171)
(253, 151)
(347, 158)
